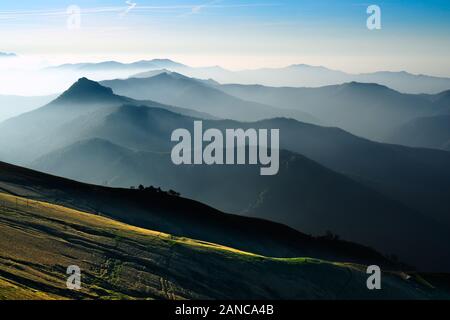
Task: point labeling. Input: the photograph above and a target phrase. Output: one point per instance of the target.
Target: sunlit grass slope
(38, 241)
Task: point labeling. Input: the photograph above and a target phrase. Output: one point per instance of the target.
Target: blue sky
(415, 35)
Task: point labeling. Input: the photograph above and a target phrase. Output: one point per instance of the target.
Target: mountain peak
(86, 89)
(308, 67)
(365, 86)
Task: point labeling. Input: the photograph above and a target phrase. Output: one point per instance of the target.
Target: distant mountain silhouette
(302, 75)
(114, 65)
(298, 75)
(151, 73)
(176, 89)
(406, 82)
(364, 109)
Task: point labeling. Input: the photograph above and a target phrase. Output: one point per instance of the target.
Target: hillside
(294, 197)
(181, 217)
(425, 132)
(119, 261)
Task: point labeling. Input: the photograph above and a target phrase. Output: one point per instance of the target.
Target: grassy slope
(39, 240)
(182, 217)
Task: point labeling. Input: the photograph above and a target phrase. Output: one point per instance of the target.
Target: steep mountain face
(426, 132)
(367, 110)
(178, 90)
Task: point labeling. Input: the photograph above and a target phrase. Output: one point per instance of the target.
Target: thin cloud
(193, 9)
(197, 9)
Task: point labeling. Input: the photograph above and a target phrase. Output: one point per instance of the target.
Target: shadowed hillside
(181, 217)
(304, 195)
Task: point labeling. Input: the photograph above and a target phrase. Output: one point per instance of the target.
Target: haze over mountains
(11, 106)
(300, 75)
(366, 109)
(178, 90)
(118, 66)
(333, 175)
(91, 134)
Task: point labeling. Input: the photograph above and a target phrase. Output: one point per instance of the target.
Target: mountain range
(369, 110)
(175, 89)
(114, 65)
(91, 134)
(299, 75)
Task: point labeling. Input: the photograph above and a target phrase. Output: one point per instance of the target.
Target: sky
(235, 34)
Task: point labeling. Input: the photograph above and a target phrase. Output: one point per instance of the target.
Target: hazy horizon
(235, 34)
